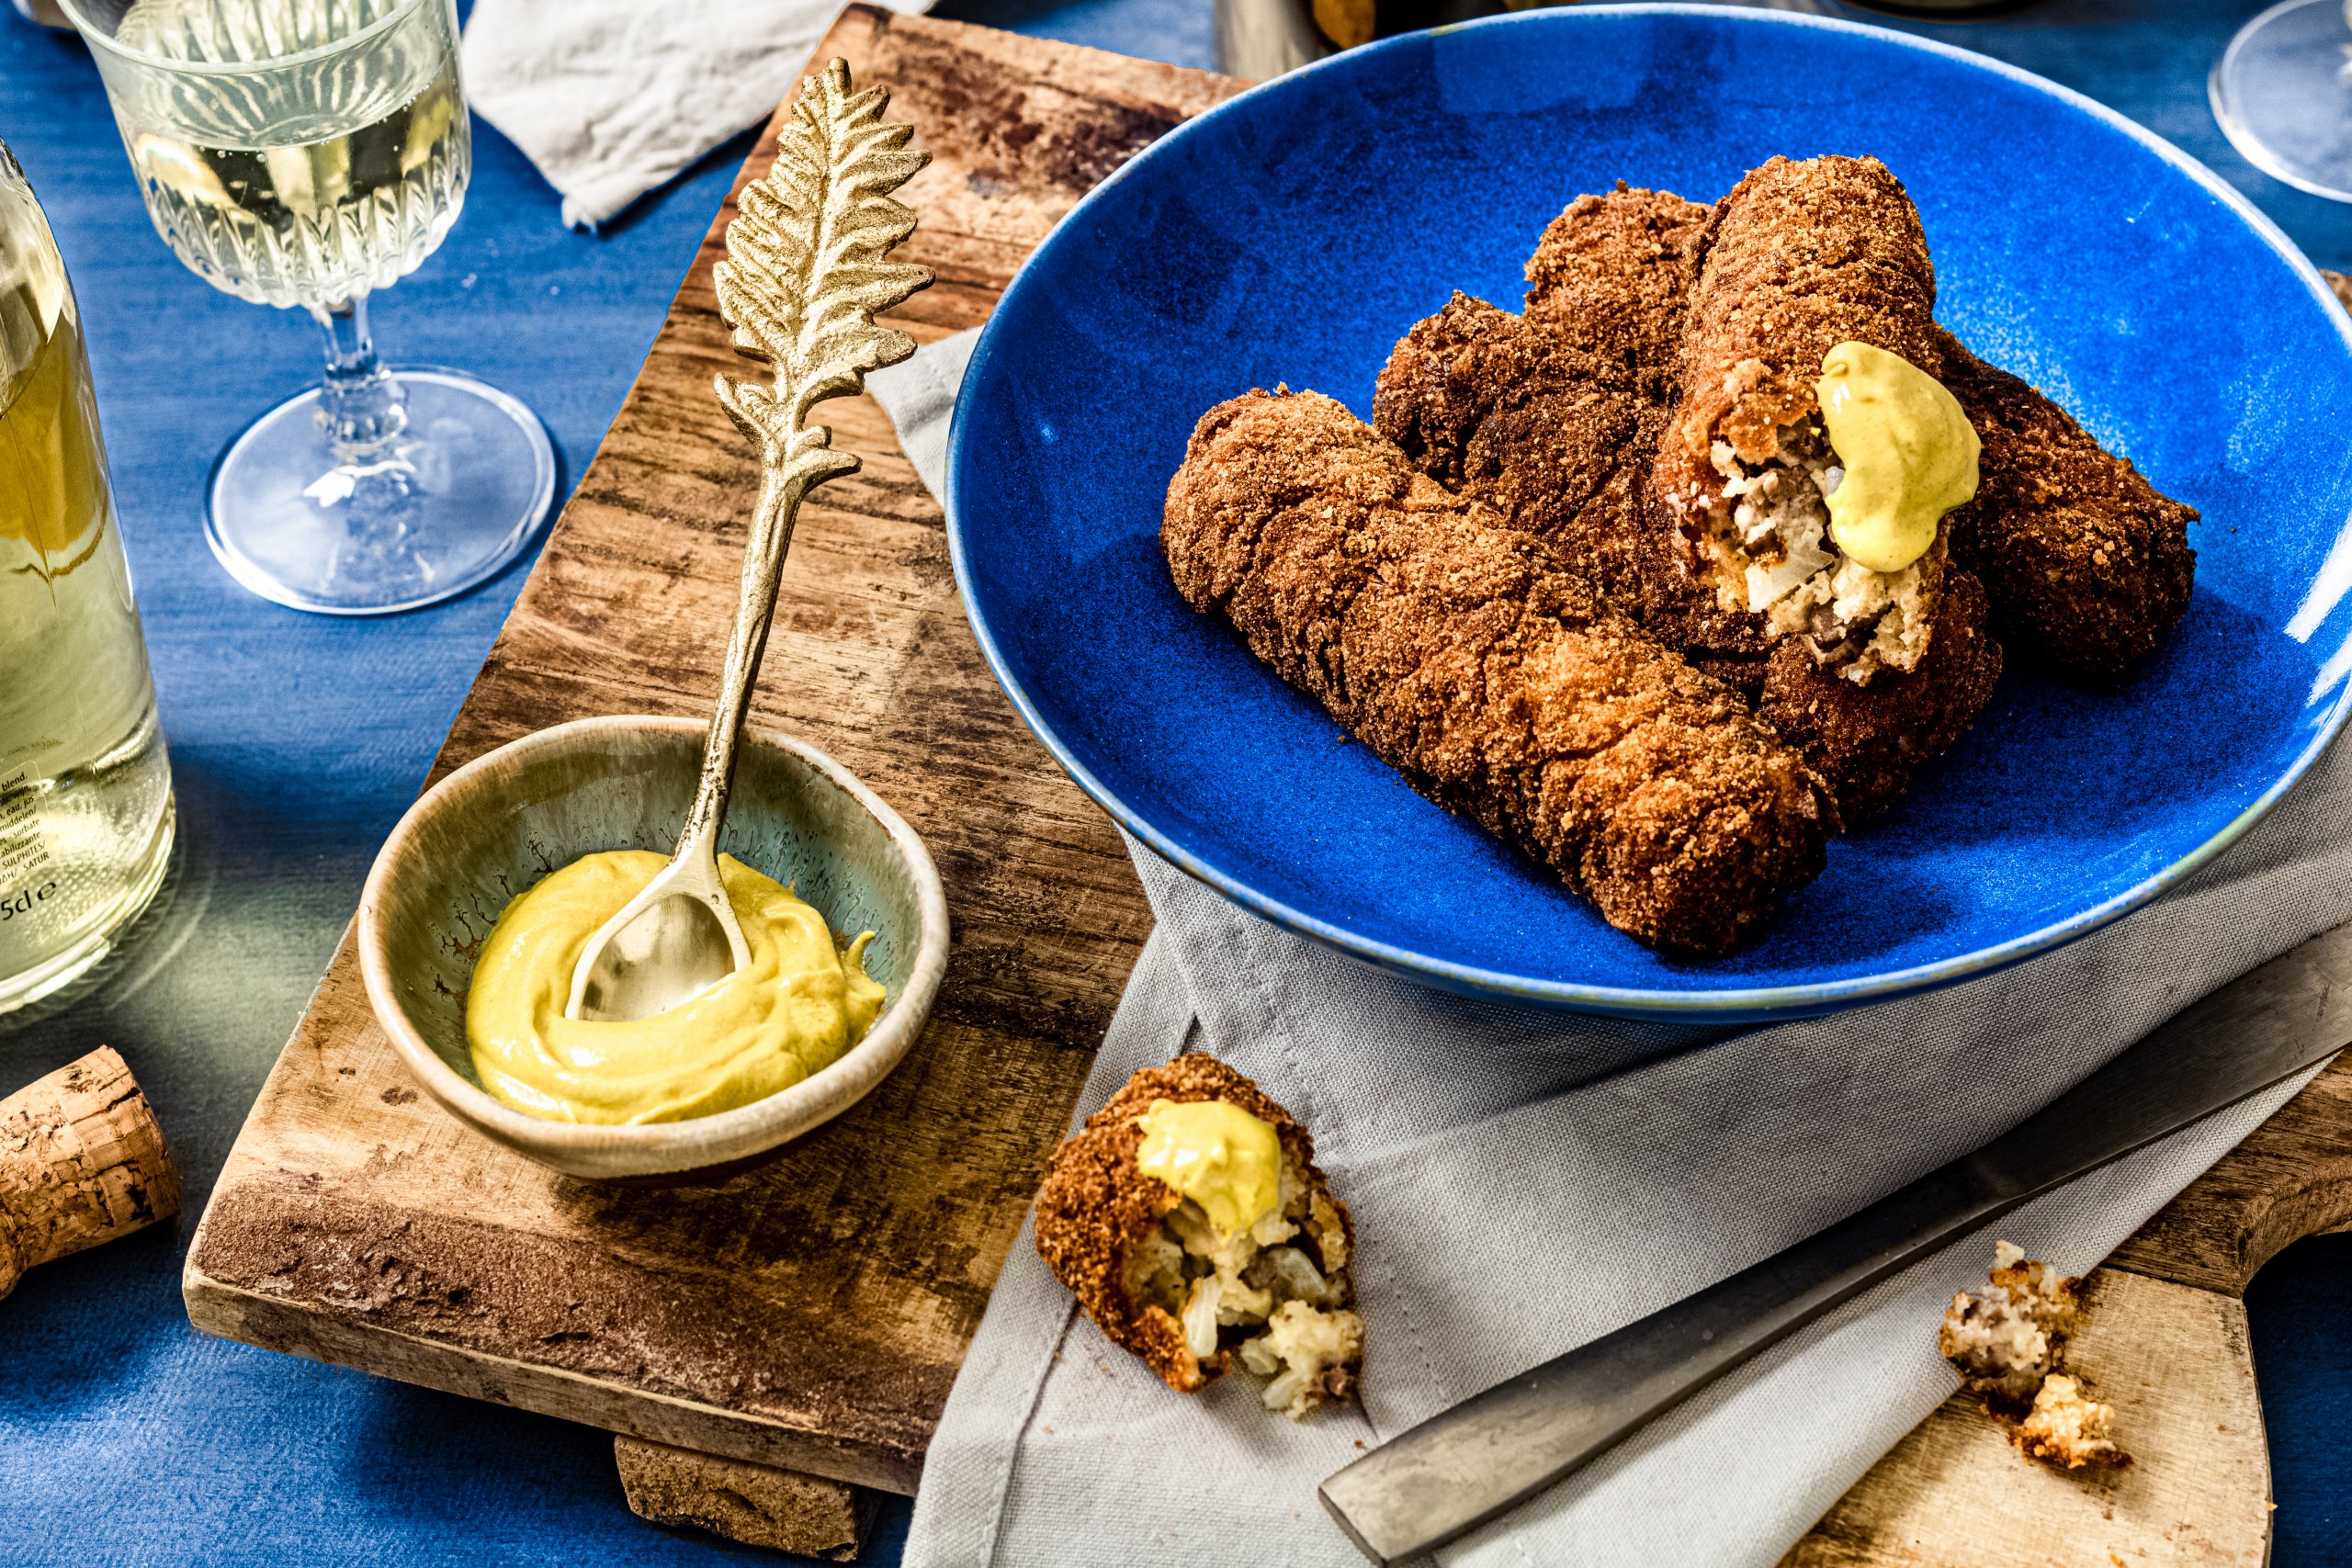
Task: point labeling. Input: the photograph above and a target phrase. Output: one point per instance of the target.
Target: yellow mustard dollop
(1220, 1156)
(798, 1006)
(1908, 451)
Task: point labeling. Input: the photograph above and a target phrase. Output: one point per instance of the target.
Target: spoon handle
(763, 553)
(807, 269)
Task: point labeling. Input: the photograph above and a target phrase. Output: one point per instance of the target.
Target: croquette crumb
(2008, 1342)
(2067, 1428)
(2006, 1339)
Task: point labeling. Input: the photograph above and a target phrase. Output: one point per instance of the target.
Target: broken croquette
(1155, 1275)
(2087, 566)
(1800, 258)
(1497, 408)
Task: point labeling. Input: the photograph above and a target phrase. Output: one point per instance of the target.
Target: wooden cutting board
(809, 1316)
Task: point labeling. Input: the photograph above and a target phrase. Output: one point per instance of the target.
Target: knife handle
(1457, 1469)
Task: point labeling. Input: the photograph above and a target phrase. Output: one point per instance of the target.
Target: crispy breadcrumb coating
(1149, 1269)
(1872, 742)
(2089, 564)
(1797, 259)
(1611, 276)
(1502, 685)
(1560, 444)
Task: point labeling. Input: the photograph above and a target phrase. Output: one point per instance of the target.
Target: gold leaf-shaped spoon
(808, 266)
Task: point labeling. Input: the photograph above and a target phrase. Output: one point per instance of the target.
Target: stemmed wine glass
(2283, 94)
(306, 152)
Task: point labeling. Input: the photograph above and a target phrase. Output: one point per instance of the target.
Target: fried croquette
(1611, 276)
(2087, 564)
(1161, 1283)
(1549, 435)
(1493, 406)
(1799, 258)
(1498, 683)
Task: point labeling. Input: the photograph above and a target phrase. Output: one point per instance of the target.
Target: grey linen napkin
(1525, 1181)
(610, 98)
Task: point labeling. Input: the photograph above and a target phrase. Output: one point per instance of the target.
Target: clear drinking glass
(305, 153)
(2282, 92)
(85, 791)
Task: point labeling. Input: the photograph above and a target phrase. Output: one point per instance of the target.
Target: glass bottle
(86, 790)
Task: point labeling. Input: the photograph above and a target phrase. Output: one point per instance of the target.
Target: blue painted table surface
(125, 1437)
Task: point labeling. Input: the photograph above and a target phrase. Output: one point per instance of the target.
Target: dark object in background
(1258, 38)
(1945, 10)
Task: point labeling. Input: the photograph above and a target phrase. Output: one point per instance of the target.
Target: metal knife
(1459, 1468)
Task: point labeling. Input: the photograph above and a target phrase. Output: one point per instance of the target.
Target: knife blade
(1453, 1473)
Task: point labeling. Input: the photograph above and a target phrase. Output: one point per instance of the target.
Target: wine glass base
(2282, 93)
(441, 507)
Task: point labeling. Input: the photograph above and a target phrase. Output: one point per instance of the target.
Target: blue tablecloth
(127, 1437)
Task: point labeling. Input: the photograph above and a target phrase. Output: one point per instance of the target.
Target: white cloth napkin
(1526, 1181)
(610, 98)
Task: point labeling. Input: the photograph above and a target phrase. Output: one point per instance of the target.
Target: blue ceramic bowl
(1293, 233)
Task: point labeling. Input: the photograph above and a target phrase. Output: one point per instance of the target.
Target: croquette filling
(1275, 1292)
(2006, 1338)
(1767, 538)
(2065, 1427)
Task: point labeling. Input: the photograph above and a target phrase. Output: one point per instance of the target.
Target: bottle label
(26, 883)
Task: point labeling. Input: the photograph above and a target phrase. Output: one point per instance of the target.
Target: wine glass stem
(362, 408)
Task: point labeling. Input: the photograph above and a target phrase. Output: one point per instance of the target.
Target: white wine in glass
(305, 153)
(2282, 92)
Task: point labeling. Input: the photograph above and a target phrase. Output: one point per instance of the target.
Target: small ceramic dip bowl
(495, 827)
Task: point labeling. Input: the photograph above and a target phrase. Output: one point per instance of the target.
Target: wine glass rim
(99, 40)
